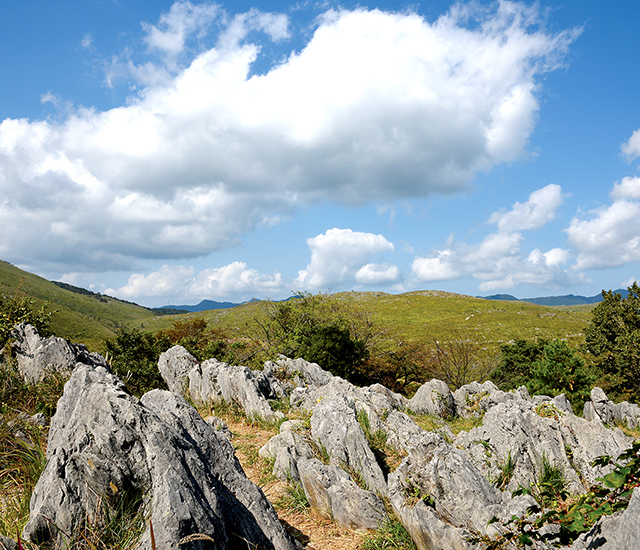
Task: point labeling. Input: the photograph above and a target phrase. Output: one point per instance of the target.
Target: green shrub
(133, 356)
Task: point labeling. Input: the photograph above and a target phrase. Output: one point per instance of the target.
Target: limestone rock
(332, 493)
(433, 398)
(104, 445)
(286, 449)
(174, 365)
(38, 356)
(516, 431)
(602, 408)
(475, 399)
(335, 427)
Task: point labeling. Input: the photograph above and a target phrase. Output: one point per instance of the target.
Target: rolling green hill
(83, 318)
(428, 316)
(423, 315)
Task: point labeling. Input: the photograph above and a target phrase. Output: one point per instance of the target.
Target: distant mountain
(205, 305)
(566, 300)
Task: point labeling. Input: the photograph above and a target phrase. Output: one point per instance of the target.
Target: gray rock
(213, 380)
(333, 494)
(514, 429)
(438, 495)
(475, 399)
(355, 508)
(286, 449)
(618, 532)
(7, 544)
(603, 409)
(37, 356)
(105, 444)
(335, 427)
(174, 365)
(239, 385)
(300, 372)
(433, 398)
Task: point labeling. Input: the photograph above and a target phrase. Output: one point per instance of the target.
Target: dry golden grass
(313, 530)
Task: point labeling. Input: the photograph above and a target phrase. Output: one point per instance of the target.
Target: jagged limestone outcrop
(37, 356)
(105, 445)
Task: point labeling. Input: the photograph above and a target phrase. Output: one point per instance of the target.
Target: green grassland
(427, 316)
(87, 319)
(420, 315)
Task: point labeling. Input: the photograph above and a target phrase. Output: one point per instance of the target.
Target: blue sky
(168, 152)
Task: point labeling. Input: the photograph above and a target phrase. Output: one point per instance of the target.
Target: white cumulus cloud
(342, 255)
(533, 214)
(498, 260)
(375, 106)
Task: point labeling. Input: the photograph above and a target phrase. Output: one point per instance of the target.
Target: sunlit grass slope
(76, 317)
(429, 316)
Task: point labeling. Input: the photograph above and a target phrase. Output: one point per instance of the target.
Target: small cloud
(628, 188)
(87, 41)
(339, 255)
(631, 149)
(533, 214)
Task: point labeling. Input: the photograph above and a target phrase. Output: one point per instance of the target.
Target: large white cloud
(375, 106)
(498, 260)
(343, 255)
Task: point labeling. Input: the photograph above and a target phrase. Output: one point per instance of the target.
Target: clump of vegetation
(21, 309)
(612, 342)
(294, 498)
(570, 517)
(391, 534)
(133, 356)
(545, 368)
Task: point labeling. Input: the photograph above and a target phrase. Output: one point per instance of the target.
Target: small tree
(561, 371)
(14, 310)
(133, 356)
(458, 361)
(611, 341)
(516, 361)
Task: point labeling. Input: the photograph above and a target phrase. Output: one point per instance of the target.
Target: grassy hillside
(421, 315)
(77, 317)
(429, 315)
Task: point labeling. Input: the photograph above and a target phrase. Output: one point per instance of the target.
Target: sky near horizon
(169, 152)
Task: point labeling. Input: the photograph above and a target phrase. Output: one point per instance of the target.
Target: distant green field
(429, 316)
(420, 315)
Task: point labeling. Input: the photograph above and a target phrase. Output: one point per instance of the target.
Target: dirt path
(314, 531)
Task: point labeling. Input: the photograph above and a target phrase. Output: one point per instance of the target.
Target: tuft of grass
(22, 459)
(507, 468)
(386, 456)
(390, 534)
(294, 498)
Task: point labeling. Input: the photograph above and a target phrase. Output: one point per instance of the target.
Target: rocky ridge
(444, 489)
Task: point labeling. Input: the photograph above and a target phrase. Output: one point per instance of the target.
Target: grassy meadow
(421, 315)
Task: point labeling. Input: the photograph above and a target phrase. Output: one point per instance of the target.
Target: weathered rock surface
(38, 356)
(618, 532)
(433, 398)
(331, 492)
(602, 408)
(514, 430)
(7, 544)
(213, 380)
(335, 427)
(105, 444)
